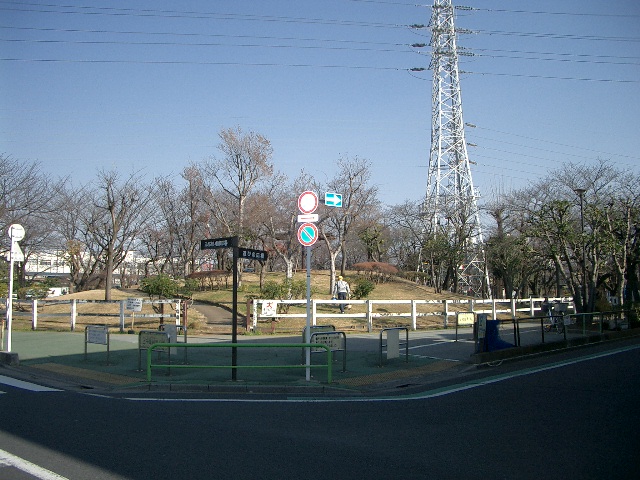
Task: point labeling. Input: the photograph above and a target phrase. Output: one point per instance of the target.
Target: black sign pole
(234, 313)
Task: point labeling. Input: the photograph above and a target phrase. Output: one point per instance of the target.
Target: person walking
(341, 290)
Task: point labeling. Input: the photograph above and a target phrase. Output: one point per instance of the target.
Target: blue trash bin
(492, 340)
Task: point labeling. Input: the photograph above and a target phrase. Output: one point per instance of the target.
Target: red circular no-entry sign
(307, 234)
(308, 202)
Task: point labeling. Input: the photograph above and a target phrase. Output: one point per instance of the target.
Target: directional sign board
(307, 234)
(217, 243)
(251, 254)
(308, 202)
(332, 199)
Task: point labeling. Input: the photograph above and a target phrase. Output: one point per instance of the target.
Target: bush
(34, 290)
(377, 272)
(362, 289)
(160, 285)
(190, 286)
(286, 290)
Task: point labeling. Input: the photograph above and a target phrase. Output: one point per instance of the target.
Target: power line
(190, 62)
(132, 12)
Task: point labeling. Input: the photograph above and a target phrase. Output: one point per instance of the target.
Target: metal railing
(165, 346)
(550, 328)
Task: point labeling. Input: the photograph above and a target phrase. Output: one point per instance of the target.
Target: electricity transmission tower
(450, 206)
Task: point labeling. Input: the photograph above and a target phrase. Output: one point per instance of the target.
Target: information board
(333, 340)
(146, 338)
(134, 304)
(98, 334)
(465, 318)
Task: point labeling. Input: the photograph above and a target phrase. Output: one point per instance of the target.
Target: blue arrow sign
(332, 199)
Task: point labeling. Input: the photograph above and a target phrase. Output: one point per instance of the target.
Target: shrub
(286, 290)
(362, 289)
(376, 271)
(160, 285)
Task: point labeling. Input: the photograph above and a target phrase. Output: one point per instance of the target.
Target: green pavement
(61, 356)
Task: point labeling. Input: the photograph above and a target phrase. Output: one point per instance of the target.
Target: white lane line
(26, 466)
(13, 382)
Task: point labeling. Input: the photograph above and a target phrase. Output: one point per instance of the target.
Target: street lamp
(580, 192)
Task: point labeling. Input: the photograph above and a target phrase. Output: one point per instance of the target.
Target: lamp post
(580, 192)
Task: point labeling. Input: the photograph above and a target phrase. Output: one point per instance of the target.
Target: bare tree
(28, 197)
(352, 181)
(244, 164)
(181, 222)
(116, 218)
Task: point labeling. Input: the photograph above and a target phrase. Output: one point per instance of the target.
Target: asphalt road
(569, 416)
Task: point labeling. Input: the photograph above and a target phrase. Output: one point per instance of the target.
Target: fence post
(369, 315)
(314, 311)
(446, 313)
(74, 313)
(493, 308)
(34, 315)
(414, 322)
(255, 315)
(532, 310)
(513, 308)
(122, 302)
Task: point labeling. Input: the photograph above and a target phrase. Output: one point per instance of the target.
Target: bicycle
(557, 318)
(554, 322)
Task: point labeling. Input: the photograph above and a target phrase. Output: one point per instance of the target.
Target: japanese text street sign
(251, 254)
(217, 243)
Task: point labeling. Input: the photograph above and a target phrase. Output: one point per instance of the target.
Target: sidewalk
(60, 357)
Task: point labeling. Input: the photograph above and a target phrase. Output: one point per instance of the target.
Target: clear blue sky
(148, 85)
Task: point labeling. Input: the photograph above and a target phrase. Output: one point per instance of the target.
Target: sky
(147, 86)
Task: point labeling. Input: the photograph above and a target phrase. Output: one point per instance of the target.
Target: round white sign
(307, 202)
(16, 232)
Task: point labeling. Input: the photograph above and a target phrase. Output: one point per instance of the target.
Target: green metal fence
(168, 346)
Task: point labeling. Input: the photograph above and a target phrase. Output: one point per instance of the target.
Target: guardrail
(574, 326)
(166, 346)
(443, 309)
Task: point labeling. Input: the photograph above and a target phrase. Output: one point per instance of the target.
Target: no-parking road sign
(307, 234)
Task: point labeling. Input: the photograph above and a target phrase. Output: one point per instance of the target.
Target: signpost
(238, 252)
(16, 233)
(307, 236)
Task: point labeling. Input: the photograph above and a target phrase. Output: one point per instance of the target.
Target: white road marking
(440, 392)
(31, 468)
(25, 385)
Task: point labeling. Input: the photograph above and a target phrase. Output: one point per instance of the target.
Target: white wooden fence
(73, 314)
(444, 309)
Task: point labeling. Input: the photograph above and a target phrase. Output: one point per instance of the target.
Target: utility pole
(450, 204)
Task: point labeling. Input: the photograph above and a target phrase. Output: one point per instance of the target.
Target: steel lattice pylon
(451, 206)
